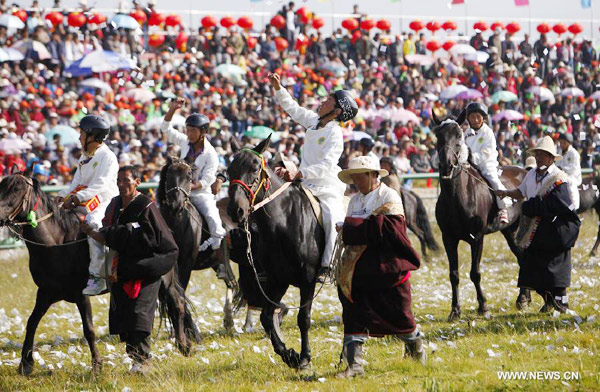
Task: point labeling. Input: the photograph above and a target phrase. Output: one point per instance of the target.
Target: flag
(458, 2)
(519, 3)
(586, 3)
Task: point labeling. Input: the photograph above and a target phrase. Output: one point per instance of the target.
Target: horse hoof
(484, 311)
(454, 315)
(291, 358)
(96, 367)
(184, 349)
(304, 365)
(228, 322)
(25, 368)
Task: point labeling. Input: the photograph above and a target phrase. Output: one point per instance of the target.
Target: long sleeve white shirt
(571, 164)
(482, 145)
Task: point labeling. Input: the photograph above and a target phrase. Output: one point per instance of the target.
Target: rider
(570, 164)
(197, 151)
(481, 142)
(323, 146)
(93, 187)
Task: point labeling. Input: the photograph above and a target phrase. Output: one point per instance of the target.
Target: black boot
(559, 299)
(416, 351)
(355, 361)
(547, 296)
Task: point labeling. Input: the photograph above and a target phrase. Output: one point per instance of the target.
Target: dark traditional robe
(146, 250)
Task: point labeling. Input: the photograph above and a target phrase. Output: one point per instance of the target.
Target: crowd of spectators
(396, 96)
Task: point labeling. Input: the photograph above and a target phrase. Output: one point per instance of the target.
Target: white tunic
(484, 154)
(530, 187)
(571, 165)
(362, 206)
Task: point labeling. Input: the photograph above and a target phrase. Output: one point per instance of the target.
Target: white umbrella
(103, 61)
(14, 145)
(431, 97)
(404, 116)
(595, 95)
(479, 56)
(121, 21)
(572, 92)
(33, 46)
(96, 83)
(462, 49)
(420, 59)
(140, 94)
(542, 92)
(11, 22)
(178, 120)
(452, 91)
(10, 54)
(359, 135)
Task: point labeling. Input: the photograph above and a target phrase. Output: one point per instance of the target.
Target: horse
(466, 210)
(187, 225)
(417, 220)
(59, 260)
(589, 197)
(290, 242)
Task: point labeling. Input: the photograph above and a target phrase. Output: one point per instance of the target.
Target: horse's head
(175, 184)
(449, 144)
(248, 176)
(17, 192)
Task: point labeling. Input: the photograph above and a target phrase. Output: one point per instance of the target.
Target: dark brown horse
(589, 197)
(466, 210)
(59, 260)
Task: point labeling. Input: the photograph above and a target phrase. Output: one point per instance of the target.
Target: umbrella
(30, 47)
(99, 61)
(572, 92)
(504, 96)
(11, 22)
(479, 56)
(166, 94)
(462, 49)
(510, 115)
(140, 94)
(542, 92)
(595, 95)
(452, 91)
(359, 135)
(431, 97)
(177, 121)
(470, 93)
(67, 134)
(16, 144)
(262, 132)
(96, 84)
(335, 67)
(404, 116)
(10, 54)
(229, 70)
(121, 21)
(420, 59)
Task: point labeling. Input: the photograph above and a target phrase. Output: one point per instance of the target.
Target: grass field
(463, 355)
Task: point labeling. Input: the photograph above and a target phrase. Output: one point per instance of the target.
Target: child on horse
(93, 187)
(197, 151)
(322, 149)
(481, 142)
(571, 165)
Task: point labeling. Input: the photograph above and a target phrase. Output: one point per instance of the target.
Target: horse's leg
(176, 309)
(451, 245)
(595, 247)
(227, 310)
(249, 323)
(476, 251)
(270, 322)
(87, 321)
(43, 301)
(191, 331)
(412, 226)
(524, 297)
(306, 296)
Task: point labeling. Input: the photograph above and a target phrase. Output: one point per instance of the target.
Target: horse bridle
(453, 166)
(261, 181)
(178, 189)
(23, 206)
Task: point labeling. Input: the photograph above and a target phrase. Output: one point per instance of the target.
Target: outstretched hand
(275, 81)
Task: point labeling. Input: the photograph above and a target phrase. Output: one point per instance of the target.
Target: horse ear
(436, 120)
(169, 160)
(14, 169)
(462, 117)
(235, 145)
(262, 146)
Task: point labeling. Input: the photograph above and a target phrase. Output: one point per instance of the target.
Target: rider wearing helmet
(481, 142)
(570, 164)
(323, 146)
(93, 187)
(197, 151)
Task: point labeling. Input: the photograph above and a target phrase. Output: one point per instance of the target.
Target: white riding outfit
(321, 152)
(207, 164)
(571, 165)
(95, 184)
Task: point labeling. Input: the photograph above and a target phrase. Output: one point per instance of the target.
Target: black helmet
(476, 107)
(95, 125)
(347, 104)
(197, 120)
(367, 143)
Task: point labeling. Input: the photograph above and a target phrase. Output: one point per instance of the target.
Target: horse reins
(465, 168)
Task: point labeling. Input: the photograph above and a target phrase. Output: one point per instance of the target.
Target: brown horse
(466, 210)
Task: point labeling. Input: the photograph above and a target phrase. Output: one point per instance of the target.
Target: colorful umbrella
(510, 115)
(140, 94)
(262, 132)
(452, 91)
(595, 95)
(31, 49)
(99, 61)
(67, 134)
(504, 96)
(542, 92)
(469, 94)
(572, 92)
(420, 59)
(96, 83)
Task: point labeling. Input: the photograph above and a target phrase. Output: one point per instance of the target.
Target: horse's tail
(425, 226)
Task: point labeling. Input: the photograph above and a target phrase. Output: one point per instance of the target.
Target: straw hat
(546, 144)
(362, 164)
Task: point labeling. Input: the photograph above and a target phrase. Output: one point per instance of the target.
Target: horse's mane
(179, 164)
(66, 220)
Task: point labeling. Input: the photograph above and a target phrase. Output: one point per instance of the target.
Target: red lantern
(350, 24)
(245, 23)
(304, 14)
(575, 28)
(21, 14)
(416, 25)
(301, 41)
(278, 22)
(433, 45)
(318, 22)
(76, 19)
(156, 19)
(497, 25)
(173, 20)
(305, 19)
(367, 24)
(513, 27)
(97, 19)
(139, 16)
(227, 22)
(384, 25)
(448, 45)
(181, 41)
(156, 39)
(208, 22)
(449, 25)
(481, 26)
(433, 26)
(559, 28)
(543, 28)
(55, 18)
(251, 42)
(281, 44)
(356, 36)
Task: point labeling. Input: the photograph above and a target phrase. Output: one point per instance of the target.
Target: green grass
(463, 355)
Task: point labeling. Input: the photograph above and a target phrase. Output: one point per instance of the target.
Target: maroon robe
(381, 296)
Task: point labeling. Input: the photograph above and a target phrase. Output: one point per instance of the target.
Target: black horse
(187, 225)
(59, 260)
(290, 242)
(417, 220)
(466, 210)
(589, 197)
